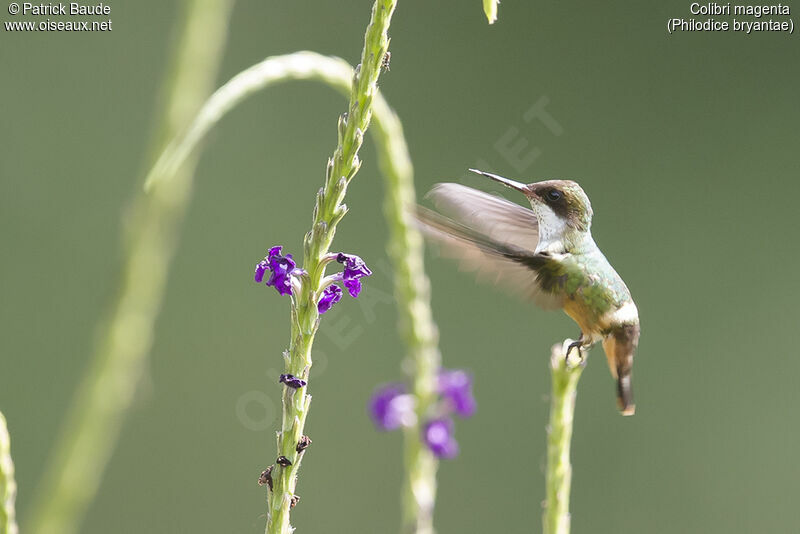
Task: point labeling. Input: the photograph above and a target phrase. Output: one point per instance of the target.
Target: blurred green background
(686, 144)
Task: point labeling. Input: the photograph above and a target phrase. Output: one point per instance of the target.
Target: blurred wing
(494, 217)
(505, 263)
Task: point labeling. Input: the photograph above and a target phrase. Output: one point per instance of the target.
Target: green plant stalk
(490, 9)
(328, 211)
(8, 486)
(412, 290)
(406, 247)
(419, 482)
(92, 426)
(565, 375)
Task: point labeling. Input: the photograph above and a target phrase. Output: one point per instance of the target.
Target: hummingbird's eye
(554, 195)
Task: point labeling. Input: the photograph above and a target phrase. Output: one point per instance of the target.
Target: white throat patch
(551, 229)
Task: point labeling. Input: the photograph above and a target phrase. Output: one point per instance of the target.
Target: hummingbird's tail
(625, 395)
(620, 346)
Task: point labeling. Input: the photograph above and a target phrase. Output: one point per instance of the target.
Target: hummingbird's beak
(522, 188)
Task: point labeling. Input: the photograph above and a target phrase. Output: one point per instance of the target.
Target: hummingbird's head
(561, 200)
(560, 205)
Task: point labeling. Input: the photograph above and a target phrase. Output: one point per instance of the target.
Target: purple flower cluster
(392, 407)
(354, 270)
(283, 268)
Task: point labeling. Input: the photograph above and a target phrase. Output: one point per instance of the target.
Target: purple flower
(391, 407)
(354, 268)
(353, 286)
(261, 268)
(282, 267)
(456, 387)
(438, 436)
(330, 296)
(292, 381)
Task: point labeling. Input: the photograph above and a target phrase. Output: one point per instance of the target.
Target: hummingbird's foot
(579, 346)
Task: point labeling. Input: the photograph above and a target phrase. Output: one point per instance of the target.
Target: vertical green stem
(419, 484)
(490, 8)
(412, 289)
(565, 376)
(8, 486)
(328, 211)
(93, 422)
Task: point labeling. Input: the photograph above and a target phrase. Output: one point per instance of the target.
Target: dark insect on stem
(283, 461)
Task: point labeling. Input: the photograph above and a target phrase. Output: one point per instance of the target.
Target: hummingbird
(545, 253)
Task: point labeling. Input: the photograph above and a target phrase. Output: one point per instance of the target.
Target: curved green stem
(92, 424)
(8, 486)
(565, 376)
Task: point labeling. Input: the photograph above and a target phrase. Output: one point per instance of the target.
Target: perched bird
(545, 253)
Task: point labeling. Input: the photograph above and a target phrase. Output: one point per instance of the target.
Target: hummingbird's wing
(492, 236)
(495, 217)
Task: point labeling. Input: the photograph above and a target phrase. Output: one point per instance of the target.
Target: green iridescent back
(587, 278)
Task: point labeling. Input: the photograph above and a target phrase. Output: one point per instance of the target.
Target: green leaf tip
(490, 8)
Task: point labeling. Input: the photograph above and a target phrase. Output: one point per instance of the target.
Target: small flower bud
(283, 461)
(292, 381)
(303, 444)
(266, 477)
